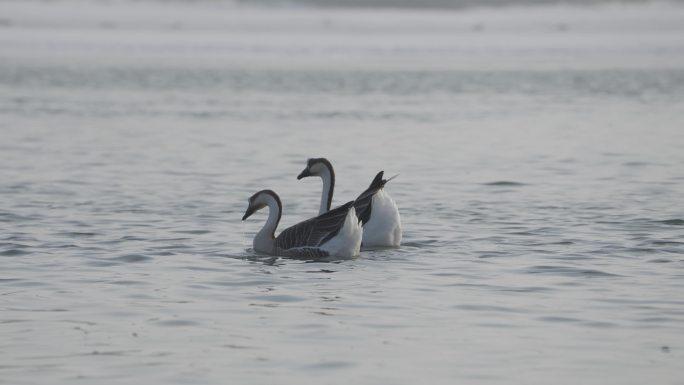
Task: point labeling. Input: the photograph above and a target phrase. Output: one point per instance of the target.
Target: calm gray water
(541, 162)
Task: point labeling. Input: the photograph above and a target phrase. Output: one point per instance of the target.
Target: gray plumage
(311, 234)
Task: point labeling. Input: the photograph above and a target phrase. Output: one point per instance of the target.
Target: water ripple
(131, 258)
(504, 183)
(14, 252)
(569, 271)
(672, 222)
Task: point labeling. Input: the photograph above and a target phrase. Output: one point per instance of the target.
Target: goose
(336, 233)
(375, 208)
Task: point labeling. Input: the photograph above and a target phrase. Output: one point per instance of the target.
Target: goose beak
(248, 213)
(304, 174)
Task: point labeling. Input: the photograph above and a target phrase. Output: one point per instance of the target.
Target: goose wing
(315, 231)
(363, 204)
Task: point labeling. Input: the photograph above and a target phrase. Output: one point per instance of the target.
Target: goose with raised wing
(375, 208)
(336, 233)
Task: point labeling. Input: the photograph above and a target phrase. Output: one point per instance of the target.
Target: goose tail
(377, 184)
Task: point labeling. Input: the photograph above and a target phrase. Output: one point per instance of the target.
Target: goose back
(314, 232)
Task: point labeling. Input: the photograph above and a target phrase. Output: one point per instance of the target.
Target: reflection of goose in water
(374, 207)
(336, 233)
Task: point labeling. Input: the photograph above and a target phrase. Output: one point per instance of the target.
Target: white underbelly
(384, 226)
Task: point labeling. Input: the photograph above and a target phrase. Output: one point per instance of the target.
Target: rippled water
(541, 183)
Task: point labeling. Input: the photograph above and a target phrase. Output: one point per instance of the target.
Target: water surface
(541, 182)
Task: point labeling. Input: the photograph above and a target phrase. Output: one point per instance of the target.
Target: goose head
(260, 200)
(316, 167)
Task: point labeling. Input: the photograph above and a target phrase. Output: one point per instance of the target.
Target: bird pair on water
(371, 219)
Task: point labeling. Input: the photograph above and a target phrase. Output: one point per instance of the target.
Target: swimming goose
(336, 233)
(375, 208)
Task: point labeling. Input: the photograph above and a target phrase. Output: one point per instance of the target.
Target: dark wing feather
(315, 231)
(329, 224)
(363, 204)
(306, 253)
(364, 208)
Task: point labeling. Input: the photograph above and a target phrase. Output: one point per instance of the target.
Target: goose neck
(328, 177)
(264, 241)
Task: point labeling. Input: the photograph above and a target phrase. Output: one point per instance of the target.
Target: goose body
(336, 233)
(377, 211)
(383, 227)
